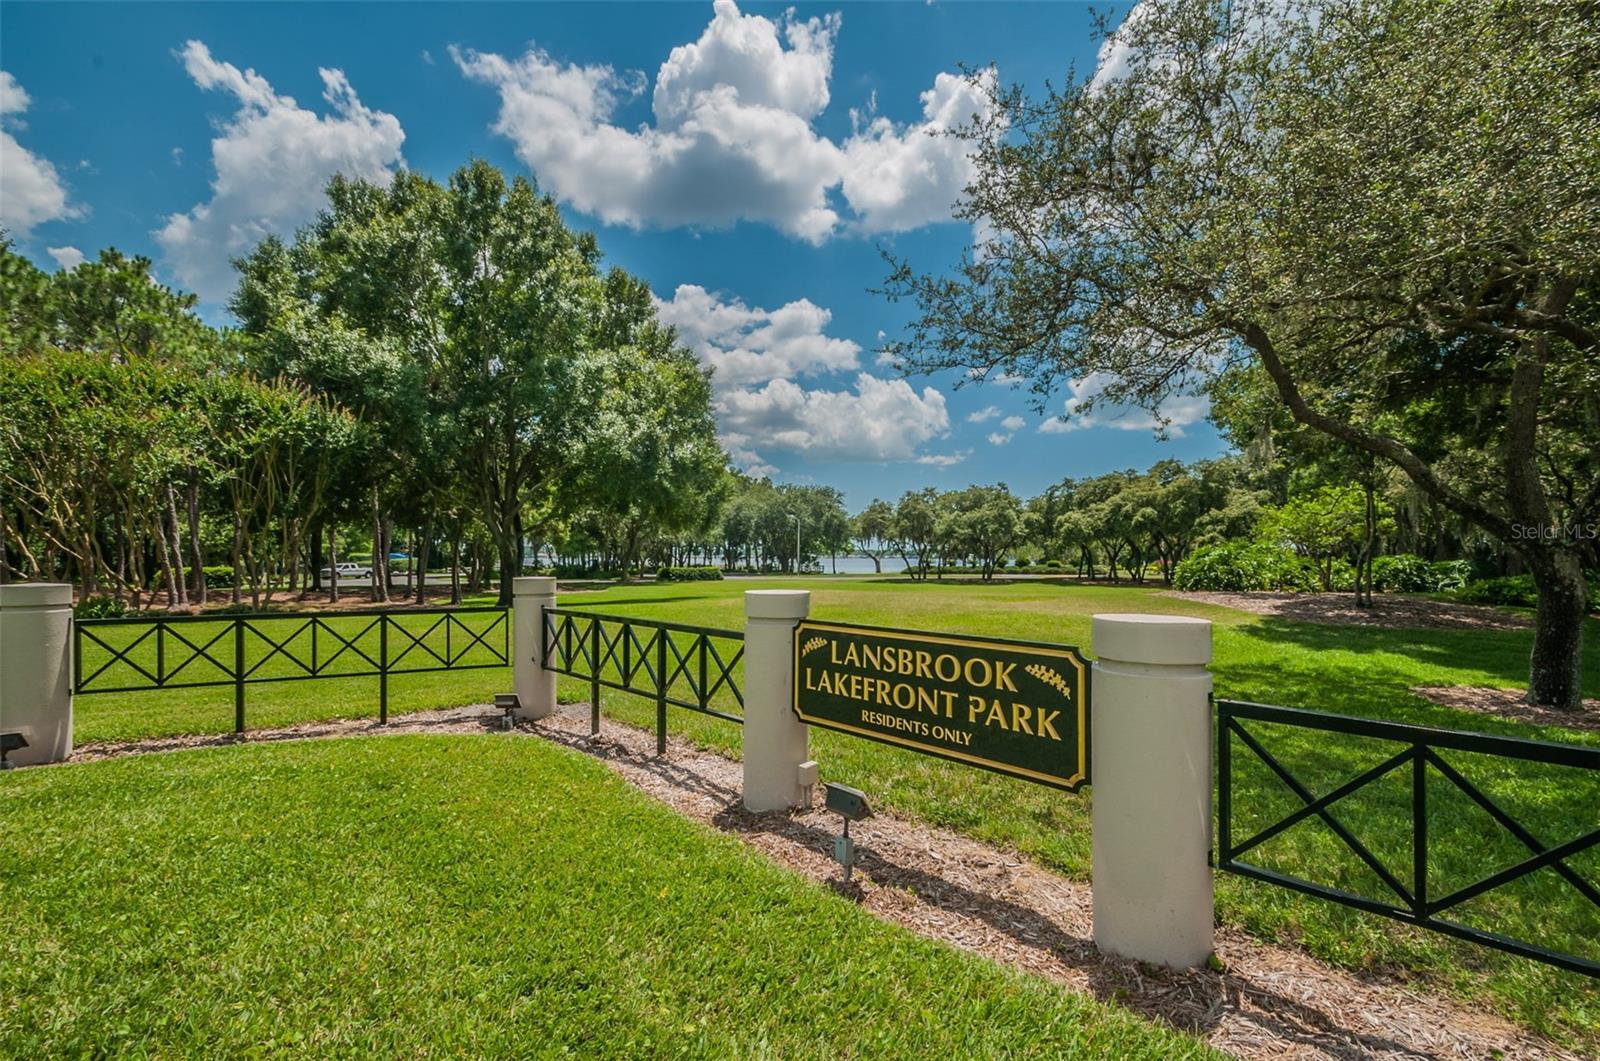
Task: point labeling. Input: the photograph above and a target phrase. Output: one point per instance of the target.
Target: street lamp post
(796, 542)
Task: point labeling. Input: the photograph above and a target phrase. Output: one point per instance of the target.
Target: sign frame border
(1085, 666)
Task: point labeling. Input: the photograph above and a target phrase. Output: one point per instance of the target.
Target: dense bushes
(218, 576)
(689, 574)
(1235, 566)
(1517, 591)
(1412, 574)
(103, 607)
(1513, 590)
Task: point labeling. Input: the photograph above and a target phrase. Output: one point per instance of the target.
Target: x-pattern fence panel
(196, 651)
(1410, 892)
(692, 667)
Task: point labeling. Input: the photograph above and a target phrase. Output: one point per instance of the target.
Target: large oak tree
(1387, 208)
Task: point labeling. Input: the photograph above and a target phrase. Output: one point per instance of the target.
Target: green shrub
(1240, 565)
(1342, 577)
(217, 576)
(100, 607)
(1512, 590)
(1405, 573)
(1450, 575)
(1518, 591)
(1052, 564)
(689, 574)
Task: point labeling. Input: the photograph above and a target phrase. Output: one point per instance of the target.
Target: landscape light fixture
(509, 703)
(850, 804)
(10, 742)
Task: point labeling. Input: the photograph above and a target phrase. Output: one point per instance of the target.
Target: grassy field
(1357, 671)
(478, 895)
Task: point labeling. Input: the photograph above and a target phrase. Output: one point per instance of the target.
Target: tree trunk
(238, 569)
(333, 562)
(419, 561)
(455, 566)
(411, 560)
(509, 561)
(197, 556)
(314, 576)
(380, 577)
(172, 577)
(175, 544)
(1555, 666)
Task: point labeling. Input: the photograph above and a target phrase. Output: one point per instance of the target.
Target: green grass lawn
(478, 895)
(1366, 672)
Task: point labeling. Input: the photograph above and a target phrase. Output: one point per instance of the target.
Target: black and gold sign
(1011, 706)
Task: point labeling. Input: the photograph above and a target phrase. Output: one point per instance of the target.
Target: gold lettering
(975, 705)
(1002, 676)
(870, 658)
(996, 715)
(949, 699)
(1045, 718)
(926, 701)
(911, 696)
(938, 667)
(988, 672)
(924, 658)
(1021, 716)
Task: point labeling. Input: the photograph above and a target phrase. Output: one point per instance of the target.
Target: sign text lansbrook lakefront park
(1010, 706)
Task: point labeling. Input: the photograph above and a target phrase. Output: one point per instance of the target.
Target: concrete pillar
(774, 740)
(36, 669)
(1151, 748)
(535, 687)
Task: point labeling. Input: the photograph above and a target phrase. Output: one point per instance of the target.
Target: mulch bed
(1509, 703)
(1387, 610)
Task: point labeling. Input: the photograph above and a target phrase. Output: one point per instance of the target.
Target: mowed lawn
(479, 895)
(1365, 672)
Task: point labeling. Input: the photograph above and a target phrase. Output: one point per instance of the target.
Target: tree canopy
(1382, 211)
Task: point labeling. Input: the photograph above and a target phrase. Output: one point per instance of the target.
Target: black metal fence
(1411, 898)
(672, 663)
(198, 651)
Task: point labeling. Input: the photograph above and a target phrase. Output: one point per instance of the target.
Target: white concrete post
(774, 740)
(535, 687)
(36, 669)
(1151, 737)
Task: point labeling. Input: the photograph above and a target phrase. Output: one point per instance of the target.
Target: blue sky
(749, 161)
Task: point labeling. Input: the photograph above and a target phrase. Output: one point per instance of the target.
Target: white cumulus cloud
(757, 354)
(273, 159)
(31, 191)
(984, 415)
(1175, 414)
(66, 257)
(746, 344)
(900, 177)
(880, 420)
(732, 138)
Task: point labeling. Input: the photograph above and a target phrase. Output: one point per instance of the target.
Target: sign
(1015, 707)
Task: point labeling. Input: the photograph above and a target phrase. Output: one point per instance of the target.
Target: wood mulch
(1509, 703)
(1391, 611)
(1266, 1001)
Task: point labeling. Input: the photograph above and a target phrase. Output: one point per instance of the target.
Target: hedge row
(689, 574)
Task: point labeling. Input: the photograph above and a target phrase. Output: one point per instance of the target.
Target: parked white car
(350, 571)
